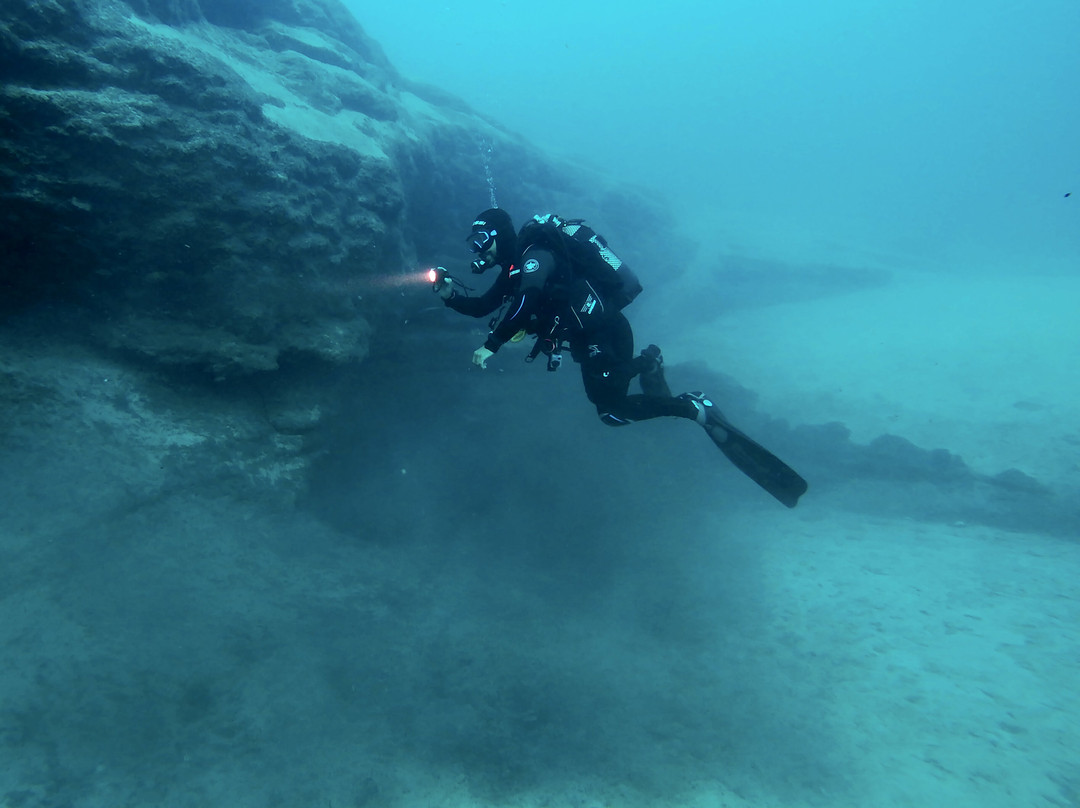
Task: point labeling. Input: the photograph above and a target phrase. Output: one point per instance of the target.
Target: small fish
(1068, 194)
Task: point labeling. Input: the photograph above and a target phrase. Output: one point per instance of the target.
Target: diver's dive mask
(482, 242)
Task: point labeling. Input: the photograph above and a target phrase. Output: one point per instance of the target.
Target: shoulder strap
(546, 232)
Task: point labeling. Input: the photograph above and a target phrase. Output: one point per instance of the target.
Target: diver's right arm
(486, 303)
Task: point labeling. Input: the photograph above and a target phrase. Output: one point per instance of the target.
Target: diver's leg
(650, 363)
(607, 367)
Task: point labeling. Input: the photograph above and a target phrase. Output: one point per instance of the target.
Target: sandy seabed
(889, 662)
(941, 663)
(952, 653)
(954, 650)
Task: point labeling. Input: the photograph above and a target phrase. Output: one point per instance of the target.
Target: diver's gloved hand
(480, 357)
(441, 282)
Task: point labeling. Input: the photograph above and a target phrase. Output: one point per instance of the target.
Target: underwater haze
(935, 135)
(270, 539)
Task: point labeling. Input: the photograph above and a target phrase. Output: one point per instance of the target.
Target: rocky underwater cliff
(220, 184)
(229, 195)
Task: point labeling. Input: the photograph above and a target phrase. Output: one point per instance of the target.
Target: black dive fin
(756, 462)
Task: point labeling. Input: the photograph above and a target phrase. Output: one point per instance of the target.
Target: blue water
(943, 135)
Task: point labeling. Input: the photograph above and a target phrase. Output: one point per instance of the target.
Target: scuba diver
(559, 282)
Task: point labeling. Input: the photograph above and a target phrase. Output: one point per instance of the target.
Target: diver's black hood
(499, 220)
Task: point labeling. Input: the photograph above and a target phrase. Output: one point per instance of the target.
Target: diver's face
(485, 259)
(484, 245)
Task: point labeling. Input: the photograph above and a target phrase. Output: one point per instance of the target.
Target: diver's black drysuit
(533, 288)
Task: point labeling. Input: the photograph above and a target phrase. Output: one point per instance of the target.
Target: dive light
(437, 276)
